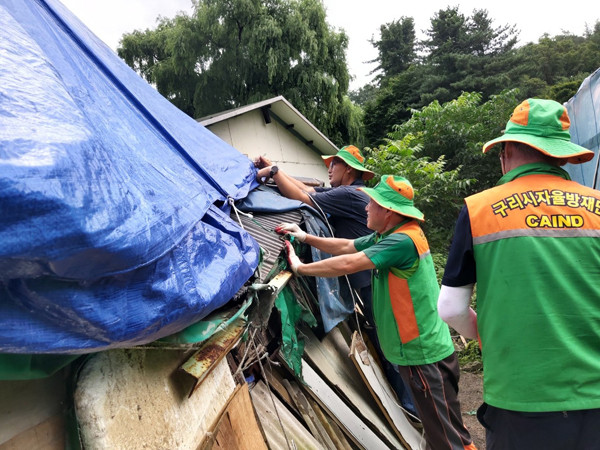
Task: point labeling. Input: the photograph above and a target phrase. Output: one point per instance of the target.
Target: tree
(439, 149)
(438, 191)
(461, 54)
(392, 104)
(555, 66)
(457, 131)
(231, 53)
(396, 47)
(464, 53)
(363, 94)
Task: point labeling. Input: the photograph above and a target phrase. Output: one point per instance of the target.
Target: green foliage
(392, 104)
(439, 261)
(231, 53)
(438, 192)
(349, 126)
(363, 94)
(463, 54)
(562, 92)
(469, 53)
(439, 149)
(396, 47)
(470, 356)
(457, 130)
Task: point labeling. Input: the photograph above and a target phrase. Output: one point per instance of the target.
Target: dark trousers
(563, 430)
(435, 392)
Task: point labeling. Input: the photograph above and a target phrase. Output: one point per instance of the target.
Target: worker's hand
(262, 175)
(293, 260)
(292, 229)
(261, 162)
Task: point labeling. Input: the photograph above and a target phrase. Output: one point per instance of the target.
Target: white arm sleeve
(453, 308)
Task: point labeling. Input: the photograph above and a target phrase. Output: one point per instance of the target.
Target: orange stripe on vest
(402, 302)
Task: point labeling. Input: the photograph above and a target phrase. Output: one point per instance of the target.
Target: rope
(231, 202)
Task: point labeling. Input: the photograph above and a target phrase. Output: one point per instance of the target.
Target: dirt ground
(470, 395)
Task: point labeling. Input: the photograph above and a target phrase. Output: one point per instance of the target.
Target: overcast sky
(110, 19)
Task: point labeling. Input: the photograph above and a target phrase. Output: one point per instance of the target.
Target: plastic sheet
(109, 233)
(584, 110)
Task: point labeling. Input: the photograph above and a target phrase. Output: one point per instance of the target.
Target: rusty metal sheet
(213, 350)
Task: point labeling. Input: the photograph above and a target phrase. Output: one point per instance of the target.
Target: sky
(361, 20)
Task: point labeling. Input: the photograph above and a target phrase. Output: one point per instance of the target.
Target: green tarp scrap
(31, 367)
(291, 312)
(204, 329)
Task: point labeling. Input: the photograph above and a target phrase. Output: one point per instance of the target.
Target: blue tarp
(584, 112)
(113, 203)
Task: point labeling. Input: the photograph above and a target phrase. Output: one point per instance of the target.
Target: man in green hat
(405, 291)
(343, 204)
(532, 245)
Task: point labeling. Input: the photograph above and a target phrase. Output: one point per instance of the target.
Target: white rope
(231, 202)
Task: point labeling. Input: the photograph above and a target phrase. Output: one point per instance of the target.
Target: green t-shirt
(405, 292)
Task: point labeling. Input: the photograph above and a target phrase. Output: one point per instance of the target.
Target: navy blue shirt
(460, 267)
(344, 207)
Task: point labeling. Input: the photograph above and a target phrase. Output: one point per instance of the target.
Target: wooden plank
(333, 430)
(237, 426)
(384, 395)
(24, 404)
(354, 426)
(330, 357)
(276, 384)
(48, 435)
(281, 428)
(313, 423)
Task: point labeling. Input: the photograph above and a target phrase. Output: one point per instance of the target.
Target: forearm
(300, 185)
(336, 266)
(333, 246)
(292, 188)
(454, 309)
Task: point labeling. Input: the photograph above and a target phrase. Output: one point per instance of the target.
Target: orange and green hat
(396, 194)
(544, 125)
(351, 156)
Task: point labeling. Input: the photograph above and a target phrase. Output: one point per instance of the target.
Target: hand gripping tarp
(109, 233)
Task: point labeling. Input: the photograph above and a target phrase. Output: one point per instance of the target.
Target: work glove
(292, 229)
(292, 259)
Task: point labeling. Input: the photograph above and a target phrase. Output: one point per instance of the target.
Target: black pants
(563, 430)
(435, 392)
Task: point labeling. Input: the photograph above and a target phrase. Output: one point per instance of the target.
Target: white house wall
(250, 135)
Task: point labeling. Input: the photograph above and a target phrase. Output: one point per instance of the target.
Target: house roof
(279, 109)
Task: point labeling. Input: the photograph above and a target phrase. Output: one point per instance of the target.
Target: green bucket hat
(396, 194)
(351, 156)
(544, 125)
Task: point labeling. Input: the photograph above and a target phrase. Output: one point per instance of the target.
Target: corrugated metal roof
(261, 227)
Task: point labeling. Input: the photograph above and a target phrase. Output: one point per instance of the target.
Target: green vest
(408, 326)
(537, 254)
